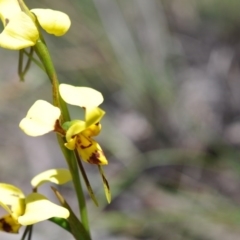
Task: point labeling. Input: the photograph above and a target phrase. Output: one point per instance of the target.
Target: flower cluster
(43, 117)
(20, 30)
(27, 210)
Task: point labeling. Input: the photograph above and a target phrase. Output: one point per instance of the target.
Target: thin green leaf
(61, 222)
(76, 227)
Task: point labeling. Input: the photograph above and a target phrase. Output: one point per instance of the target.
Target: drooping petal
(9, 224)
(75, 129)
(105, 184)
(39, 208)
(90, 151)
(8, 8)
(80, 96)
(20, 32)
(93, 115)
(58, 176)
(12, 200)
(53, 22)
(40, 119)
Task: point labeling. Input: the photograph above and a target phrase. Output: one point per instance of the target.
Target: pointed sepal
(105, 184)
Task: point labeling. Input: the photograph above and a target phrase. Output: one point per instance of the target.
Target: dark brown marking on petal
(6, 21)
(58, 128)
(83, 147)
(105, 181)
(94, 158)
(5, 226)
(97, 124)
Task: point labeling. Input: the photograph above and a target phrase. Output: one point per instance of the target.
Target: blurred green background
(169, 72)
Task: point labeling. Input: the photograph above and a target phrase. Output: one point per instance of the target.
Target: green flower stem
(34, 60)
(43, 53)
(72, 165)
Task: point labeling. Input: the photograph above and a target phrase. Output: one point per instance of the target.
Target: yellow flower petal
(12, 199)
(9, 224)
(90, 151)
(40, 119)
(93, 130)
(58, 176)
(71, 144)
(76, 128)
(105, 184)
(39, 208)
(20, 32)
(80, 96)
(93, 115)
(53, 22)
(8, 8)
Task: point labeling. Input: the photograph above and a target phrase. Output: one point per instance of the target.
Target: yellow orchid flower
(43, 117)
(27, 210)
(79, 134)
(20, 30)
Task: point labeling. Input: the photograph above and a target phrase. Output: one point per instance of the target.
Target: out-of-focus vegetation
(169, 72)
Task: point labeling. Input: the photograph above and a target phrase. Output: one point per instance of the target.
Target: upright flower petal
(80, 96)
(8, 8)
(20, 32)
(93, 115)
(39, 208)
(53, 22)
(41, 119)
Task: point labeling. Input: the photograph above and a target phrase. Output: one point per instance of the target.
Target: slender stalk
(28, 64)
(72, 165)
(34, 60)
(22, 72)
(30, 232)
(20, 64)
(25, 232)
(43, 53)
